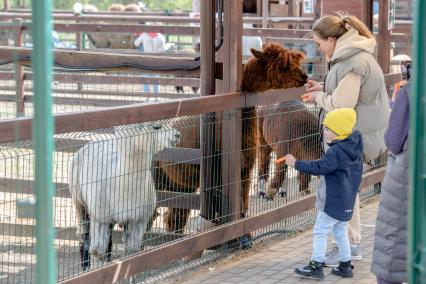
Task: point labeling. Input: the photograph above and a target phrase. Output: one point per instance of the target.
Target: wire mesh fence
(89, 90)
(134, 188)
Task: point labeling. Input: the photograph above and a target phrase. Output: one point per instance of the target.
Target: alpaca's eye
(156, 127)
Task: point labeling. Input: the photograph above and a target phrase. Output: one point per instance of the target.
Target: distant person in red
(151, 43)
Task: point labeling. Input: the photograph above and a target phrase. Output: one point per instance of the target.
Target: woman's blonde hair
(336, 26)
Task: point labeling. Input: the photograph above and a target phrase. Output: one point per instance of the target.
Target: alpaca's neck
(136, 154)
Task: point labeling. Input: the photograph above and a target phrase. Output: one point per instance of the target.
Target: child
(341, 171)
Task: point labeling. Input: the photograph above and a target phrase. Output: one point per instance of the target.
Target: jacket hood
(351, 43)
(352, 145)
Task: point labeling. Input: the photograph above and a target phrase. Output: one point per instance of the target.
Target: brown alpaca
(272, 68)
(286, 128)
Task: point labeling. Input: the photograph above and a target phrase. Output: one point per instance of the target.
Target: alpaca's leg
(84, 225)
(133, 235)
(277, 183)
(304, 180)
(99, 239)
(264, 157)
(152, 220)
(109, 250)
(176, 219)
(245, 241)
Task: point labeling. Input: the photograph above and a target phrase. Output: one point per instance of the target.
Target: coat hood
(351, 43)
(352, 145)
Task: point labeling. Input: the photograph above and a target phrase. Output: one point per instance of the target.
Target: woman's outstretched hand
(309, 97)
(313, 86)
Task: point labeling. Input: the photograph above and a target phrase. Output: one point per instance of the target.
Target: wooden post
(79, 46)
(290, 8)
(265, 13)
(367, 13)
(383, 55)
(259, 8)
(318, 9)
(6, 5)
(231, 120)
(290, 12)
(209, 165)
(19, 72)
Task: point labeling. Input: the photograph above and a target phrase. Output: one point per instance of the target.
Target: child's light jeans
(323, 226)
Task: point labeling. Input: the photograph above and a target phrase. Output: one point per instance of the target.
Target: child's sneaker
(356, 252)
(343, 270)
(332, 257)
(313, 270)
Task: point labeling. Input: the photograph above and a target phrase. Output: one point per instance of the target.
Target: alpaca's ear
(295, 59)
(256, 53)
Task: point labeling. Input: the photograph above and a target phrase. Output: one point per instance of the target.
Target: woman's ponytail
(336, 26)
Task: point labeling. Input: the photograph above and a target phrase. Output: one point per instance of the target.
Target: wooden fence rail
(137, 113)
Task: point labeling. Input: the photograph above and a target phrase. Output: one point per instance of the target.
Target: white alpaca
(111, 182)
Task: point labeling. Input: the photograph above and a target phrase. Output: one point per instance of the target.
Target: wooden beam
(79, 60)
(106, 79)
(179, 155)
(118, 18)
(109, 13)
(125, 28)
(28, 231)
(137, 113)
(164, 198)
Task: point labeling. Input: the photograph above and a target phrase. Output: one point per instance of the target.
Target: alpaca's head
(148, 138)
(273, 67)
(162, 137)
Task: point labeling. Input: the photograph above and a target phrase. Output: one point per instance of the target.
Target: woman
(354, 80)
(390, 238)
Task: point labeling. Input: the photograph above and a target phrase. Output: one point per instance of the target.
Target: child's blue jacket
(341, 167)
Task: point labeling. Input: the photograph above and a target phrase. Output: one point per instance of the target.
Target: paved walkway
(275, 264)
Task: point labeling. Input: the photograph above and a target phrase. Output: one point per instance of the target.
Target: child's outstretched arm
(327, 164)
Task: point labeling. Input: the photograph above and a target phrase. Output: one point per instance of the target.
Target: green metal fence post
(43, 141)
(417, 197)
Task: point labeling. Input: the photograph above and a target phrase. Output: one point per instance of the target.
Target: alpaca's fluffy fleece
(111, 181)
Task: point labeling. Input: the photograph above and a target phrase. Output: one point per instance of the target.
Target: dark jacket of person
(341, 167)
(390, 238)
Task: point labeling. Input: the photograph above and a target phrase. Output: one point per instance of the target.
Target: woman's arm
(345, 95)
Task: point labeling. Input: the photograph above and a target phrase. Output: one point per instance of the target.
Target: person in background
(152, 42)
(354, 80)
(405, 67)
(390, 239)
(341, 169)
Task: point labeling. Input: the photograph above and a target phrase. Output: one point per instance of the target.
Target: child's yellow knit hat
(341, 121)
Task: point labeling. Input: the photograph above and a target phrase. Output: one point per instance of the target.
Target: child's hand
(290, 160)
